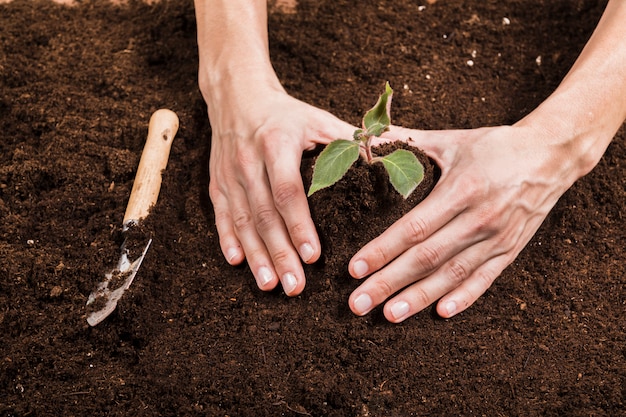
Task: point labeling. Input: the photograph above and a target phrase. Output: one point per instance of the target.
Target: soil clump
(194, 336)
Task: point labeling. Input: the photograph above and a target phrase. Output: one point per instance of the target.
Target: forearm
(233, 46)
(589, 106)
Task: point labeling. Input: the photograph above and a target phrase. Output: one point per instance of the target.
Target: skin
(497, 186)
(259, 133)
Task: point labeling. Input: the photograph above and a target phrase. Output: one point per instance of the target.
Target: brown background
(195, 336)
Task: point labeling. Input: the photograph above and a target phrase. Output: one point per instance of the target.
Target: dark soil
(358, 208)
(194, 336)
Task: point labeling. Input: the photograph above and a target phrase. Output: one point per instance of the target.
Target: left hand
(497, 186)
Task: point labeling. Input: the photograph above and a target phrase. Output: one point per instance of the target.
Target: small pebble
(274, 326)
(56, 291)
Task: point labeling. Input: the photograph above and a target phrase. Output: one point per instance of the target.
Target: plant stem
(367, 146)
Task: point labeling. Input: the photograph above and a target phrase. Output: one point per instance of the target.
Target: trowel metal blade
(119, 279)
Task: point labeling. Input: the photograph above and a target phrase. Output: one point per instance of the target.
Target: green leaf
(357, 135)
(333, 163)
(405, 171)
(378, 118)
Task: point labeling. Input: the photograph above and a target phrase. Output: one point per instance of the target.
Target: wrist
(233, 47)
(584, 113)
(236, 98)
(218, 83)
(575, 137)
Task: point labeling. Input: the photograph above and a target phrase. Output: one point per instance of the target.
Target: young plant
(404, 169)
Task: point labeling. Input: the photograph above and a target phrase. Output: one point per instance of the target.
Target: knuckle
(427, 259)
(280, 258)
(265, 218)
(487, 220)
(467, 191)
(285, 194)
(297, 229)
(469, 187)
(383, 288)
(382, 255)
(486, 278)
(269, 136)
(242, 219)
(458, 271)
(222, 217)
(420, 297)
(214, 191)
(416, 229)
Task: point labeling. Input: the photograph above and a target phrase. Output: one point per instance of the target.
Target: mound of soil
(359, 207)
(193, 335)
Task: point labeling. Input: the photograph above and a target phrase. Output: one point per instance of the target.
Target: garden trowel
(161, 131)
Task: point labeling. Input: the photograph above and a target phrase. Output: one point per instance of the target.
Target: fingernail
(231, 254)
(399, 310)
(362, 303)
(265, 276)
(360, 268)
(450, 308)
(306, 251)
(289, 283)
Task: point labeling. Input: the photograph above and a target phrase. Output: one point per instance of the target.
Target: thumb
(432, 142)
(334, 129)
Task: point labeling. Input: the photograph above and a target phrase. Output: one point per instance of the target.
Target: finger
(228, 188)
(432, 214)
(229, 243)
(329, 128)
(271, 229)
(467, 267)
(469, 291)
(243, 220)
(417, 263)
(431, 141)
(291, 203)
(439, 145)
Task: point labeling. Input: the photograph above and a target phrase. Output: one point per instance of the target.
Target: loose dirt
(193, 335)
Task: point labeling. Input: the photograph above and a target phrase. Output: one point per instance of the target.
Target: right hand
(261, 210)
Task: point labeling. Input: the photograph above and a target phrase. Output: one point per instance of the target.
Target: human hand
(261, 210)
(497, 185)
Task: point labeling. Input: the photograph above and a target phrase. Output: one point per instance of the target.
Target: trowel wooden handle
(161, 131)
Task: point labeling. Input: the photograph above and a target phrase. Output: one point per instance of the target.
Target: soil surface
(358, 208)
(194, 336)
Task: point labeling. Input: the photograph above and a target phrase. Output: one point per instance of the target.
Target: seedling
(404, 169)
